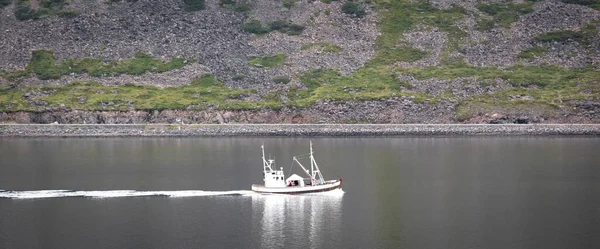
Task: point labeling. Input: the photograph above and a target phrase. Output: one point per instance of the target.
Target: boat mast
(315, 171)
(266, 164)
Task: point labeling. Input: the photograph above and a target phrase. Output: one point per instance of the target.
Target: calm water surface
(453, 192)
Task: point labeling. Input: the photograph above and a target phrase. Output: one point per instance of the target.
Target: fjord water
(405, 192)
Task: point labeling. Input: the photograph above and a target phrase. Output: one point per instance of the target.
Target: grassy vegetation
(545, 100)
(238, 77)
(267, 61)
(288, 4)
(401, 16)
(559, 36)
(193, 5)
(377, 79)
(282, 79)
(255, 27)
(353, 8)
(202, 93)
(44, 66)
(363, 84)
(547, 85)
(503, 14)
(485, 24)
(551, 77)
(583, 36)
(12, 75)
(554, 84)
(243, 7)
(532, 53)
(24, 11)
(322, 46)
(286, 27)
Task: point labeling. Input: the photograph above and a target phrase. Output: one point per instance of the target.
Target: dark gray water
(475, 192)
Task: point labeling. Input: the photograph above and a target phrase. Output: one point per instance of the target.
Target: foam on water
(334, 193)
(36, 194)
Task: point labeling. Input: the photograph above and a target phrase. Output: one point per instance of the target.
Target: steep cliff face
(299, 61)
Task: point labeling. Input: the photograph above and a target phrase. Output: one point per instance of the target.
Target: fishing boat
(276, 183)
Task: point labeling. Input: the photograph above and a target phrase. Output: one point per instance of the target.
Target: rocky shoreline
(285, 130)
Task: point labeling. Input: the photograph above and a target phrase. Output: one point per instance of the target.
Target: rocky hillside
(299, 61)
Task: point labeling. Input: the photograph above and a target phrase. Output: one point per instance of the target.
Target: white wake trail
(37, 194)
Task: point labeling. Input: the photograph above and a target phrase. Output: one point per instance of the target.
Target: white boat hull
(327, 186)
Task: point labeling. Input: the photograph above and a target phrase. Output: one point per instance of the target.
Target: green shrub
(325, 46)
(584, 36)
(503, 13)
(53, 4)
(206, 80)
(267, 61)
(68, 13)
(241, 7)
(532, 52)
(316, 78)
(277, 25)
(238, 77)
(23, 10)
(483, 24)
(255, 27)
(288, 3)
(237, 6)
(492, 9)
(4, 3)
(281, 79)
(558, 36)
(286, 27)
(352, 8)
(193, 5)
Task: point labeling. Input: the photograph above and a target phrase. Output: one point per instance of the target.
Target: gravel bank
(38, 130)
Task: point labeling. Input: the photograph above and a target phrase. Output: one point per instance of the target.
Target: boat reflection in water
(308, 221)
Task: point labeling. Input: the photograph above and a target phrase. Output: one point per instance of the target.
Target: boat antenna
(312, 167)
(262, 147)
